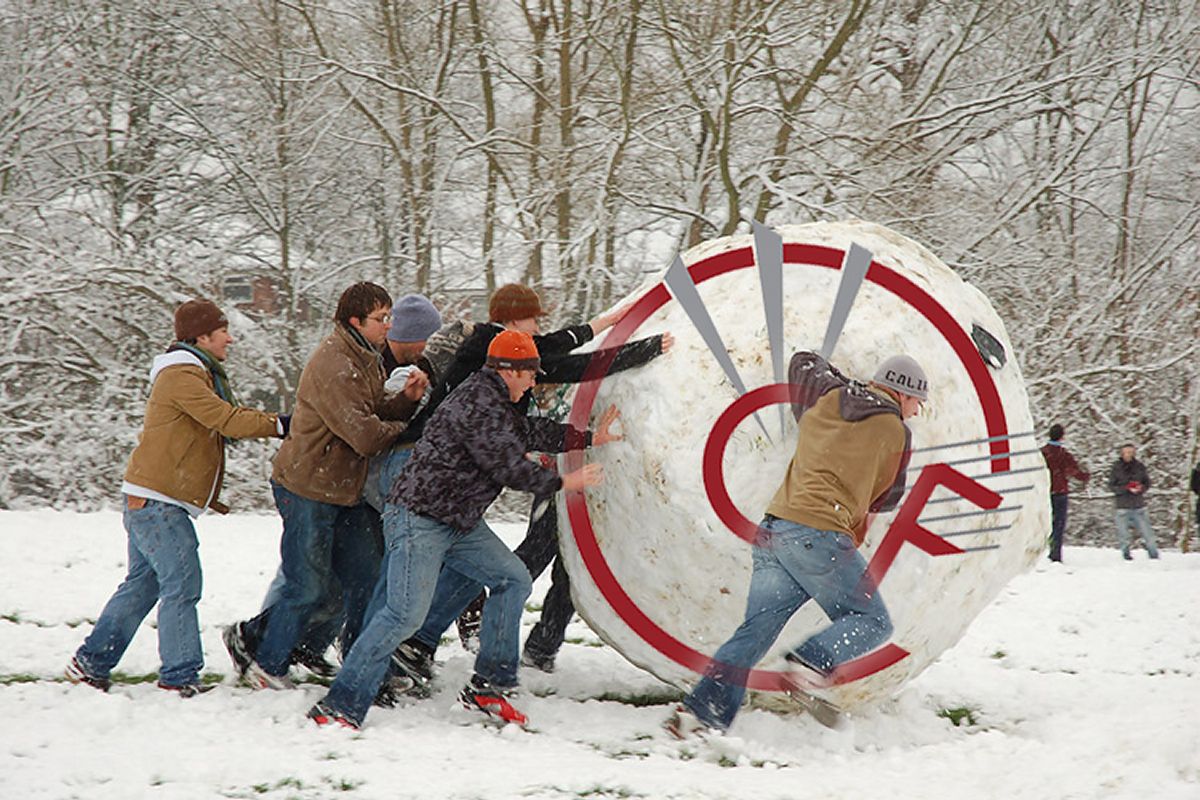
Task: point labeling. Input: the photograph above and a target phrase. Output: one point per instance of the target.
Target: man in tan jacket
(849, 464)
(332, 545)
(174, 474)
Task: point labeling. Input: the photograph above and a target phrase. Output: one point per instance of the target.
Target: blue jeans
(326, 550)
(417, 549)
(381, 476)
(1139, 520)
(455, 592)
(321, 633)
(793, 563)
(164, 568)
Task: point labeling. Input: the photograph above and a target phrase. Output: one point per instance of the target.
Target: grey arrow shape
(1005, 437)
(854, 270)
(679, 281)
(768, 254)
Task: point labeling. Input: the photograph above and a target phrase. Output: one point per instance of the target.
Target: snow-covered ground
(1080, 681)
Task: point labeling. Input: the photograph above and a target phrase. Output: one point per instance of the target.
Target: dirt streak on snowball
(683, 567)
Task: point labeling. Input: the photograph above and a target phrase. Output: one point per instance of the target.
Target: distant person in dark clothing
(1196, 491)
(1062, 465)
(1129, 481)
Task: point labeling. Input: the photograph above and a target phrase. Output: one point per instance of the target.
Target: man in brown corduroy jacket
(331, 546)
(849, 464)
(174, 474)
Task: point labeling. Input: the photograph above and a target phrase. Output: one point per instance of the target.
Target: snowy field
(1080, 681)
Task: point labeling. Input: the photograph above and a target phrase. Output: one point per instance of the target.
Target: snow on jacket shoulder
(181, 450)
(474, 446)
(342, 418)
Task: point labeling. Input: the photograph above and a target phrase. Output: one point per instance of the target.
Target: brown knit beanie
(195, 318)
(514, 301)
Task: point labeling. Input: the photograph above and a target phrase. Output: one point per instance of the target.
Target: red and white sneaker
(323, 715)
(258, 678)
(75, 673)
(480, 695)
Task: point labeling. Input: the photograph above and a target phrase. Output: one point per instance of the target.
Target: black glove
(285, 422)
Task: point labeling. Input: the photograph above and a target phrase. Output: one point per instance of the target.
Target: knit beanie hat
(196, 318)
(414, 319)
(513, 350)
(514, 301)
(903, 374)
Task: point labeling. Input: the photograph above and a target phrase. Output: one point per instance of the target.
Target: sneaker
(75, 673)
(1125, 555)
(315, 663)
(806, 676)
(392, 690)
(187, 690)
(480, 695)
(469, 623)
(537, 661)
(258, 678)
(414, 659)
(235, 643)
(683, 724)
(323, 715)
(819, 709)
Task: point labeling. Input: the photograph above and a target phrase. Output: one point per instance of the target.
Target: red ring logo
(580, 520)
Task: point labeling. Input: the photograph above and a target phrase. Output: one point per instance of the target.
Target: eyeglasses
(383, 319)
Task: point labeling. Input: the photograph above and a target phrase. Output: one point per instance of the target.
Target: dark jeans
(327, 551)
(539, 547)
(417, 549)
(1058, 524)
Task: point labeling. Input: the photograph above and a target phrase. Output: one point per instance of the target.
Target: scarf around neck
(216, 369)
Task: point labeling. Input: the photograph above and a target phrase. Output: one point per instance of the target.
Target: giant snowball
(656, 571)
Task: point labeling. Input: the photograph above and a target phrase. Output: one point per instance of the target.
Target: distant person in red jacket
(1062, 465)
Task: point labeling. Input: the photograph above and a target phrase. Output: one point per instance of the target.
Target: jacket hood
(173, 359)
(857, 401)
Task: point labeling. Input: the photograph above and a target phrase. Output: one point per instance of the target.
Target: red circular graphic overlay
(793, 254)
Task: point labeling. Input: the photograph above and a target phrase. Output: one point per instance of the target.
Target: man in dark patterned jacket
(473, 447)
(516, 307)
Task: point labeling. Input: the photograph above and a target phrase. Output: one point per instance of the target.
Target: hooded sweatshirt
(852, 453)
(180, 456)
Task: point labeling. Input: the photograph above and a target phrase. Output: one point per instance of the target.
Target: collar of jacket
(359, 346)
(857, 401)
(498, 383)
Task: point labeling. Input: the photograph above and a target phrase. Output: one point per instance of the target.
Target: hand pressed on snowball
(587, 475)
(604, 434)
(606, 321)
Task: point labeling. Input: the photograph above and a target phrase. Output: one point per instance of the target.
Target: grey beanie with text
(905, 375)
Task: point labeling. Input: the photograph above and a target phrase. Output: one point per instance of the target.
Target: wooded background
(267, 154)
